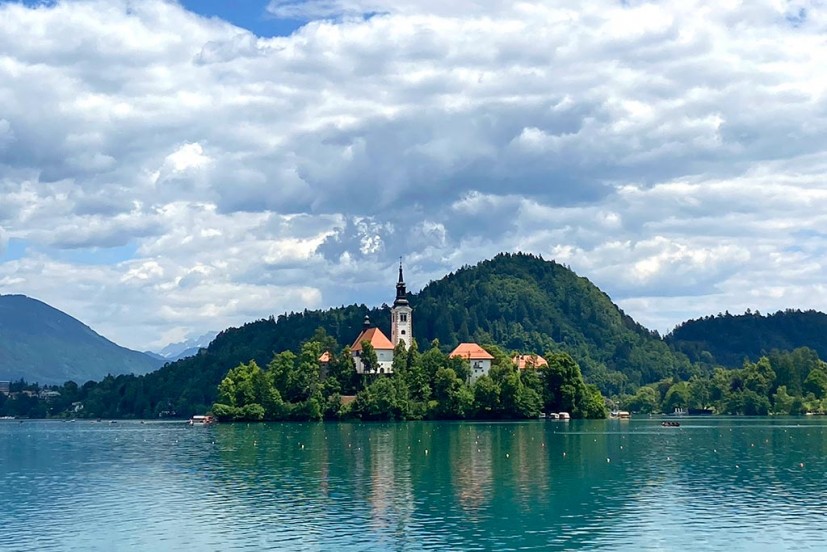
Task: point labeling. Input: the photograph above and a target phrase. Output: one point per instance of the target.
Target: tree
(754, 404)
(281, 370)
(415, 376)
(400, 359)
(782, 401)
(384, 399)
(816, 383)
(370, 362)
(343, 370)
(759, 377)
(243, 392)
(518, 401)
(453, 399)
(678, 396)
(644, 401)
(560, 379)
(699, 392)
(432, 360)
(593, 405)
(304, 382)
(486, 398)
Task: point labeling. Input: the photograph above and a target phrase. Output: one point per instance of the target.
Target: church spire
(401, 322)
(401, 293)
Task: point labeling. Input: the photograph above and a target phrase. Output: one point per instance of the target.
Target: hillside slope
(42, 344)
(728, 339)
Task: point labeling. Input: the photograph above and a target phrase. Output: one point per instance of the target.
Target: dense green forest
(518, 302)
(728, 339)
(793, 382)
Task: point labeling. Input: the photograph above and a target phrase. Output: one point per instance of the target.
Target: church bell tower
(401, 322)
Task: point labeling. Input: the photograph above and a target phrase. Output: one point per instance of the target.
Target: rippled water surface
(712, 484)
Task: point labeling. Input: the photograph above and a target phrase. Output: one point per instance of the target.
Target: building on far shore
(324, 364)
(401, 315)
(479, 360)
(381, 344)
(523, 362)
(401, 331)
(4, 387)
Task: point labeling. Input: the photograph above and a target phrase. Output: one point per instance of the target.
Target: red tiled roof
(471, 351)
(325, 357)
(375, 337)
(529, 361)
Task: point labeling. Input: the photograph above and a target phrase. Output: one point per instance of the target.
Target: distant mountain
(184, 349)
(728, 339)
(44, 345)
(156, 356)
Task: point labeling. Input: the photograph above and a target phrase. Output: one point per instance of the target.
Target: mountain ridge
(183, 349)
(40, 343)
(729, 339)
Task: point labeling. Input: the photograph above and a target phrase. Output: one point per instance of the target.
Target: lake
(712, 484)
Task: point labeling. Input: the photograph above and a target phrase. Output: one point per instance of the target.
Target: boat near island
(620, 415)
(199, 420)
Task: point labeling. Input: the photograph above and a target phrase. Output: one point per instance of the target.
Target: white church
(478, 359)
(401, 331)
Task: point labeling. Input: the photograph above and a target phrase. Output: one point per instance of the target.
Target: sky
(169, 168)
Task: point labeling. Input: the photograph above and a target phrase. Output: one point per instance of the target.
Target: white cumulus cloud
(163, 168)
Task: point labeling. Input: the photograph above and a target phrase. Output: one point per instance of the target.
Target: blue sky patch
(251, 15)
(16, 250)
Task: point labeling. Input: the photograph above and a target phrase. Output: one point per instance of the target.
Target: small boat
(670, 424)
(552, 416)
(564, 416)
(620, 415)
(202, 420)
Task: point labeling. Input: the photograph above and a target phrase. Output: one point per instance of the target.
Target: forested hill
(518, 301)
(524, 303)
(727, 339)
(42, 344)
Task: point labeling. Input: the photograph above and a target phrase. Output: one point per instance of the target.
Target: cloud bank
(166, 173)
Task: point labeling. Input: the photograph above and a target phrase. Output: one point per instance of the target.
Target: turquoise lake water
(712, 484)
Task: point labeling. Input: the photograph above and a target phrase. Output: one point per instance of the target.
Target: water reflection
(714, 484)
